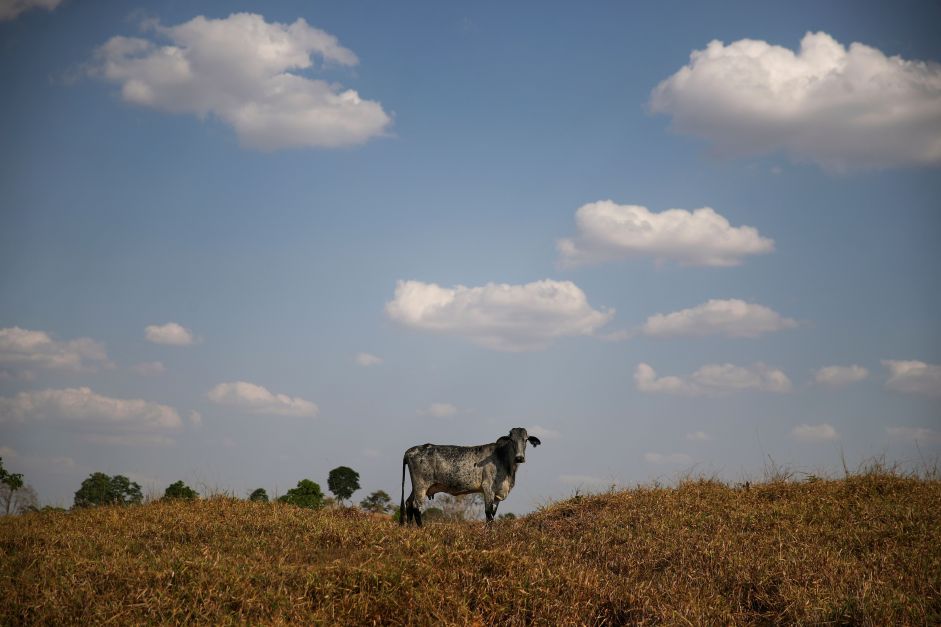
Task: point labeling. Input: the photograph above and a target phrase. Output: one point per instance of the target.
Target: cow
(489, 469)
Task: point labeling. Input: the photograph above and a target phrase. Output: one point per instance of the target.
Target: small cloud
(371, 453)
(367, 359)
(169, 333)
(11, 9)
(608, 231)
(713, 380)
(257, 399)
(498, 316)
(698, 436)
(668, 458)
(837, 376)
(149, 368)
(815, 433)
(913, 377)
(543, 433)
(438, 410)
(731, 318)
(23, 348)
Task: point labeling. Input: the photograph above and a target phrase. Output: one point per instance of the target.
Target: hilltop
(861, 550)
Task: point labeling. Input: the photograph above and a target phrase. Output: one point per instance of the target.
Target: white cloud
(97, 416)
(367, 359)
(732, 318)
(246, 72)
(835, 376)
(498, 316)
(258, 400)
(698, 436)
(25, 348)
(608, 231)
(169, 333)
(149, 368)
(815, 433)
(668, 458)
(11, 9)
(913, 377)
(919, 434)
(439, 410)
(841, 108)
(713, 379)
(543, 433)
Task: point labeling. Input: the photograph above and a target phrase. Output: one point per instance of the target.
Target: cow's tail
(402, 502)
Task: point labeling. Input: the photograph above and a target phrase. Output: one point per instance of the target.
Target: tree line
(101, 489)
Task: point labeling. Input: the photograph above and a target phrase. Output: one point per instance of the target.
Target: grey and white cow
(489, 469)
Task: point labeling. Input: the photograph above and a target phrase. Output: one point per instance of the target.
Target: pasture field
(861, 550)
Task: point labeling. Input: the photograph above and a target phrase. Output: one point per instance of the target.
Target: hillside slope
(864, 550)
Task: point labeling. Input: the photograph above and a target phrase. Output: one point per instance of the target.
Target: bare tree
(18, 501)
(466, 507)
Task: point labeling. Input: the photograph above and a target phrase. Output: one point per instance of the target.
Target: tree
(18, 501)
(343, 482)
(12, 481)
(180, 490)
(507, 516)
(100, 489)
(378, 502)
(466, 507)
(259, 495)
(306, 494)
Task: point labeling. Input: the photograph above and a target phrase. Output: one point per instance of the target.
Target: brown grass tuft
(861, 550)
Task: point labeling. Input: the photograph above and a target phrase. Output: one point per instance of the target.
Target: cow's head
(518, 439)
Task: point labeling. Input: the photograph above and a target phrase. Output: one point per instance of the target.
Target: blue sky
(202, 170)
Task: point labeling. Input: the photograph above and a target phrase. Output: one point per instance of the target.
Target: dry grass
(860, 550)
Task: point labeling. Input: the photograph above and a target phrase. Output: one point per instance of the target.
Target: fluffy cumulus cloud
(839, 107)
(713, 380)
(99, 418)
(835, 376)
(913, 377)
(367, 359)
(169, 333)
(11, 9)
(438, 410)
(256, 399)
(248, 73)
(497, 315)
(25, 348)
(731, 318)
(608, 231)
(815, 433)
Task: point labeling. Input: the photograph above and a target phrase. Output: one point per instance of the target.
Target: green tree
(378, 502)
(343, 482)
(13, 482)
(307, 494)
(259, 495)
(100, 489)
(180, 490)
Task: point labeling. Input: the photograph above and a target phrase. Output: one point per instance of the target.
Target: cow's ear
(534, 440)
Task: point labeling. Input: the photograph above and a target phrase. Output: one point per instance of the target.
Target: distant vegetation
(862, 550)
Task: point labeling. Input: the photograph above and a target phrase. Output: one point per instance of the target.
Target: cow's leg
(419, 494)
(489, 504)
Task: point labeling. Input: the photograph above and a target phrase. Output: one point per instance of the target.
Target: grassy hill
(861, 550)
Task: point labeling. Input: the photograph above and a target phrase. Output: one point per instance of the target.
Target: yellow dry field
(861, 550)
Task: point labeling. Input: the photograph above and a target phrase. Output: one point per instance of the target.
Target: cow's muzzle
(520, 459)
